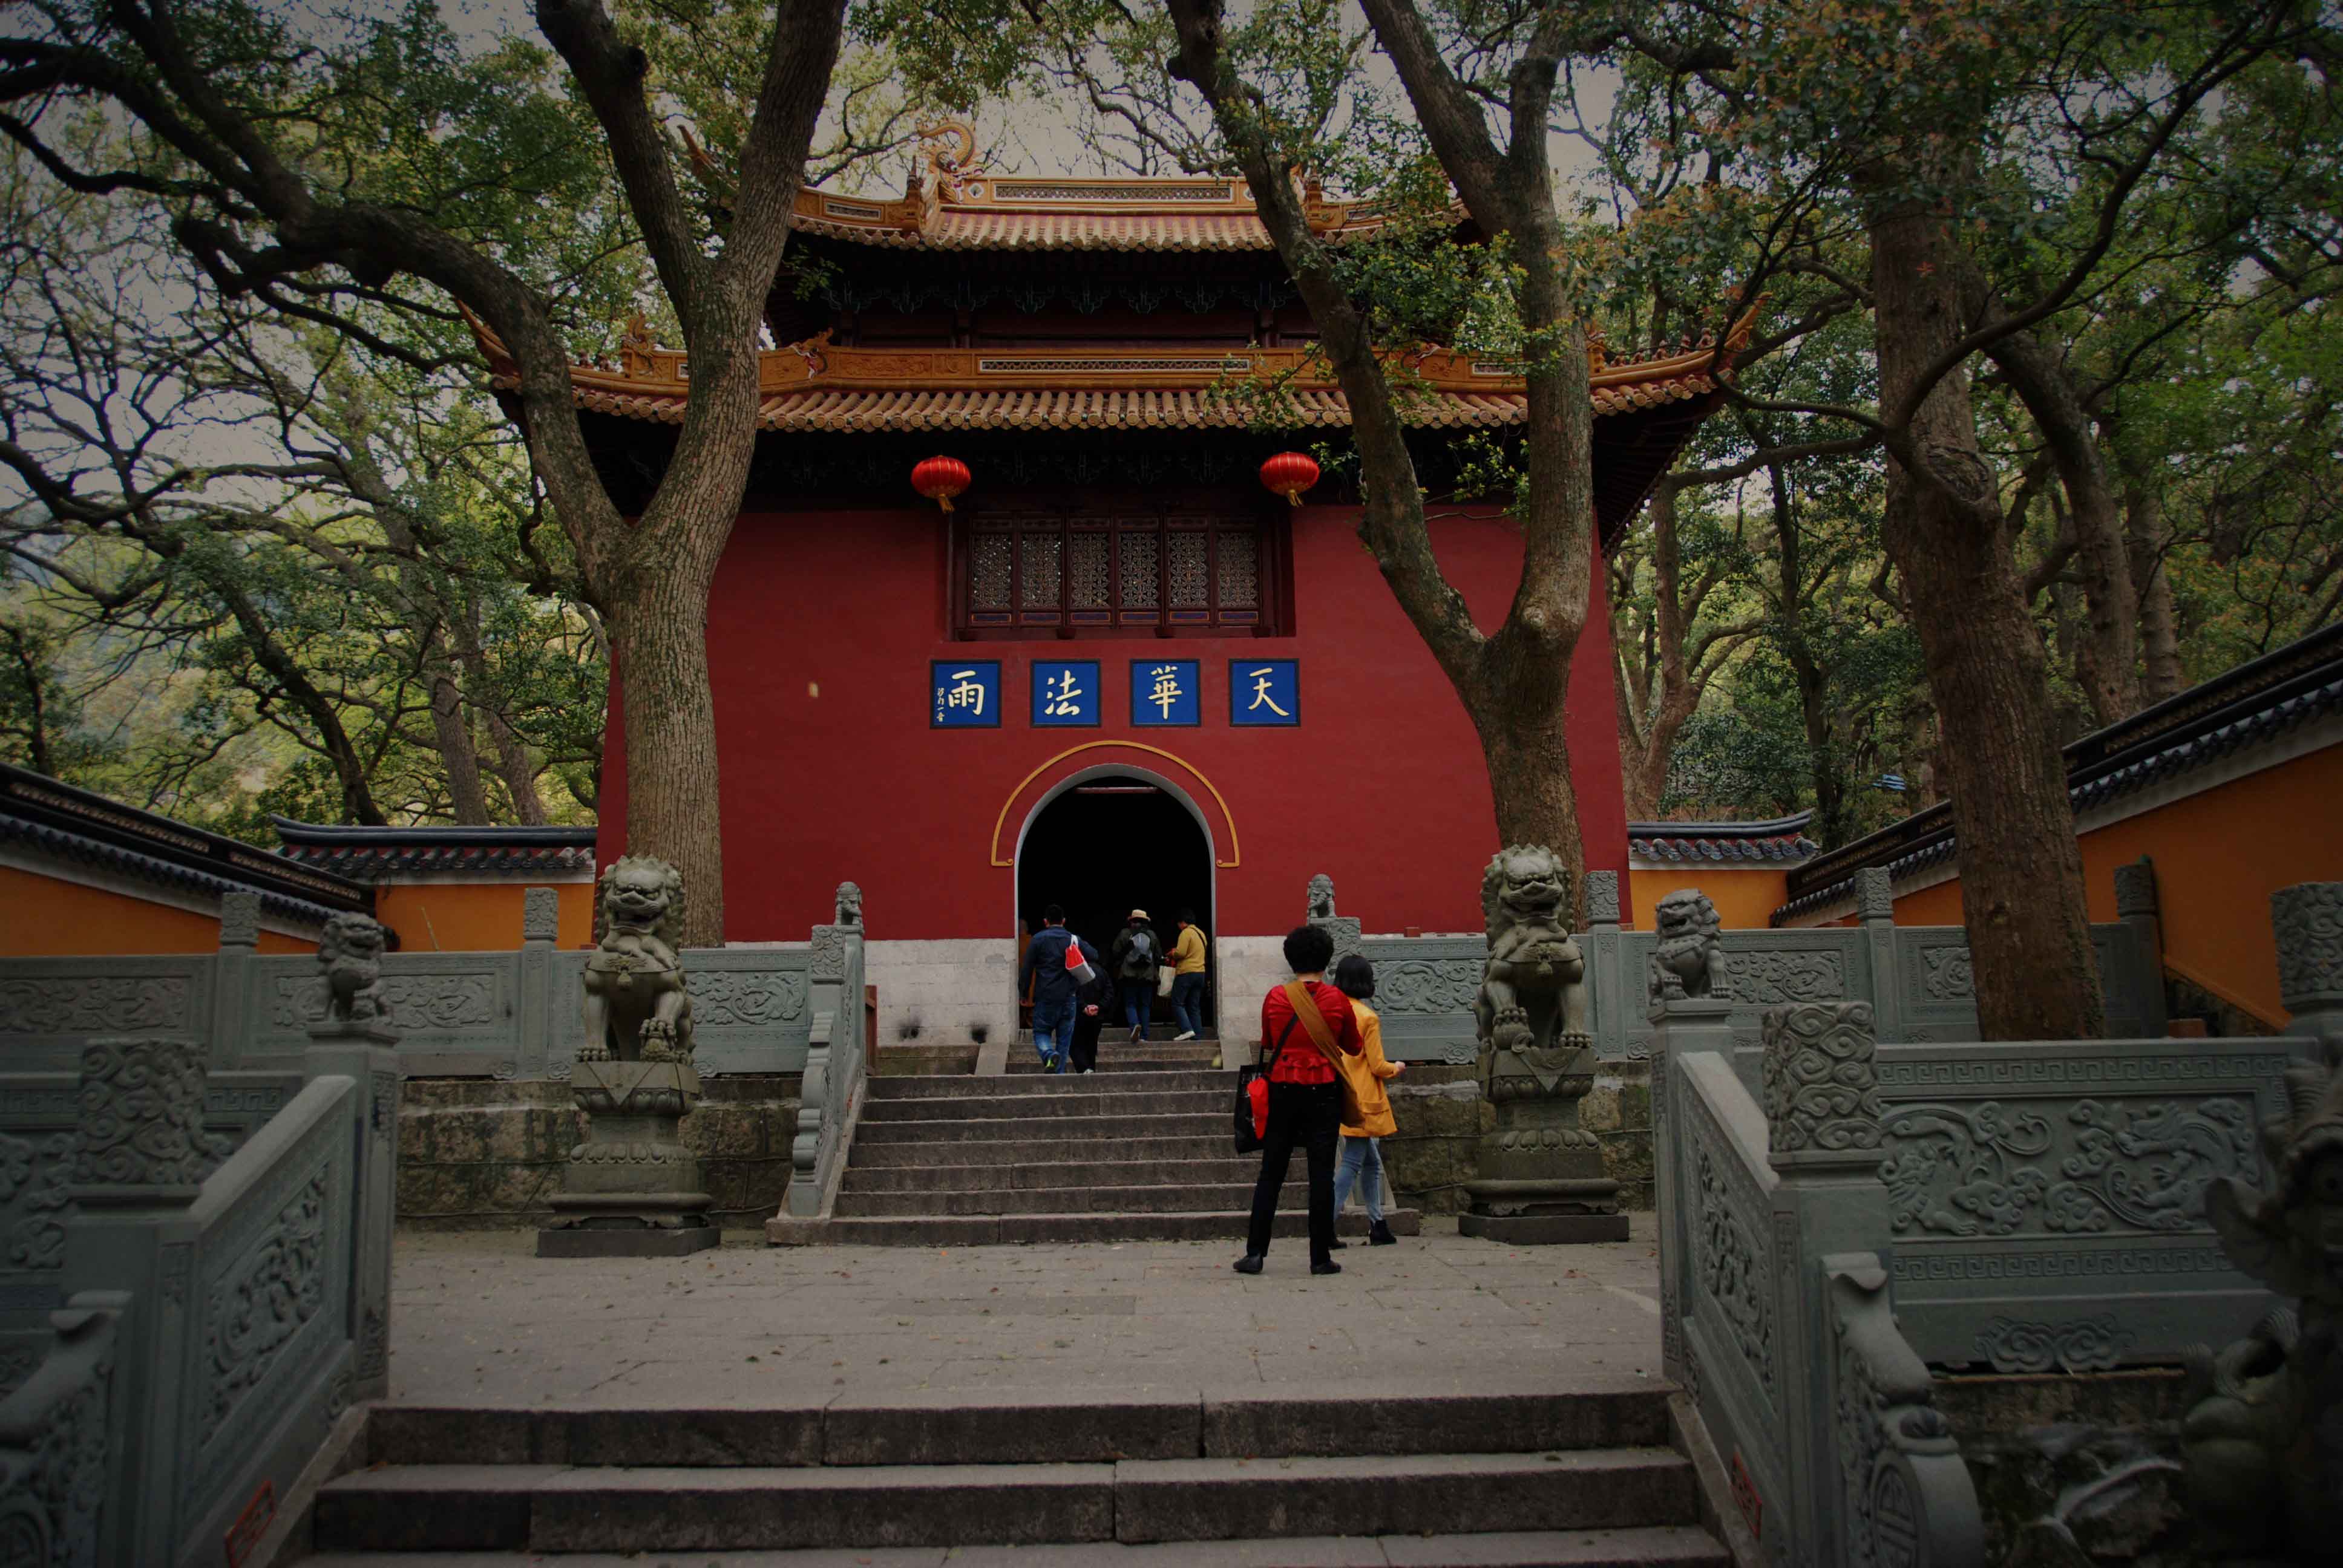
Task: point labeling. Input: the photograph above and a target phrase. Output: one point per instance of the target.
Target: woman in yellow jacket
(1362, 1156)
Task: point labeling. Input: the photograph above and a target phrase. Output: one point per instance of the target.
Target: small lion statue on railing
(1533, 990)
(637, 1009)
(1687, 960)
(349, 958)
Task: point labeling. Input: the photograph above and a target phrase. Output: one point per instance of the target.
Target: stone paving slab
(477, 1320)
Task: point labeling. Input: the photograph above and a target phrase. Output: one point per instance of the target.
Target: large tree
(318, 175)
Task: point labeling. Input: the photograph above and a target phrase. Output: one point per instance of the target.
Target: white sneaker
(1177, 1038)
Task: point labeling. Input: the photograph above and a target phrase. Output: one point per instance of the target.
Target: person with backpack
(1057, 964)
(1306, 1027)
(1137, 956)
(1188, 978)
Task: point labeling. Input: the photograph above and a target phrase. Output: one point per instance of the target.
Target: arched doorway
(1109, 840)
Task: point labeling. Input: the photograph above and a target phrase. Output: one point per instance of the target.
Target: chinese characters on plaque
(1265, 691)
(1166, 692)
(1070, 693)
(1066, 694)
(964, 696)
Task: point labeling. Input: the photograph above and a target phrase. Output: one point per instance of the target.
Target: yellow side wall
(50, 917)
(2219, 855)
(476, 917)
(1744, 896)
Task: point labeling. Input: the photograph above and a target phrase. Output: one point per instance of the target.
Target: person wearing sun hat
(1138, 952)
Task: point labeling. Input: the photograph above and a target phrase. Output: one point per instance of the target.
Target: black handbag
(1252, 1098)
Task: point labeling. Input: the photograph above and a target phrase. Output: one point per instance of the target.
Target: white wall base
(950, 989)
(1248, 967)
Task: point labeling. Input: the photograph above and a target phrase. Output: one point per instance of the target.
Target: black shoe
(1248, 1264)
(1379, 1234)
(1338, 1244)
(1327, 1266)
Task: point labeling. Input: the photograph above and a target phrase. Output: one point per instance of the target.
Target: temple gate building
(1118, 672)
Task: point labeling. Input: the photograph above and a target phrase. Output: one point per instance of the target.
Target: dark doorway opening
(1110, 845)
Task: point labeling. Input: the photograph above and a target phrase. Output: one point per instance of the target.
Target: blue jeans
(1363, 1160)
(1188, 1002)
(1138, 1001)
(1053, 1031)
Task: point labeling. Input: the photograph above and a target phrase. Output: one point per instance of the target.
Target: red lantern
(1289, 474)
(939, 479)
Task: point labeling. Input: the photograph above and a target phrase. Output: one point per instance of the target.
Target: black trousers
(1309, 1115)
(1084, 1050)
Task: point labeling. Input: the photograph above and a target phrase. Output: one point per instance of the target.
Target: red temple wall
(821, 631)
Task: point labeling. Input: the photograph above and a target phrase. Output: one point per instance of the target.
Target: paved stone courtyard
(476, 1318)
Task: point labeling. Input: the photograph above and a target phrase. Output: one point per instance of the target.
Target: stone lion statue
(637, 1009)
(349, 956)
(2262, 1446)
(1533, 986)
(848, 909)
(1322, 897)
(1687, 960)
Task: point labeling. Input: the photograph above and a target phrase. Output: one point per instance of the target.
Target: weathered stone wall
(922, 1059)
(2075, 1470)
(1618, 1112)
(478, 1154)
(1439, 1113)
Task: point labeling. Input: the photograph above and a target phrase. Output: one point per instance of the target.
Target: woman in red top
(1305, 1100)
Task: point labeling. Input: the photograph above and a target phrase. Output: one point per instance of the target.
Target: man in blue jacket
(1053, 987)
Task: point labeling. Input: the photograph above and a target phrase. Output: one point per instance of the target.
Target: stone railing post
(366, 1051)
(2136, 905)
(1682, 1027)
(140, 1158)
(1875, 910)
(1831, 1235)
(541, 928)
(2308, 920)
(239, 934)
(1606, 972)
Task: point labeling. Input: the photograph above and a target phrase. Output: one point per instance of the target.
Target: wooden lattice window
(1078, 575)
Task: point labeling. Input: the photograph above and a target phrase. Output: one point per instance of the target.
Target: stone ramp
(1138, 1152)
(1580, 1476)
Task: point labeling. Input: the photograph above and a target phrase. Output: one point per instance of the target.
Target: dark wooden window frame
(1216, 517)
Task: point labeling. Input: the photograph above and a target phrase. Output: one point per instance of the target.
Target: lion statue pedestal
(632, 1189)
(1539, 1176)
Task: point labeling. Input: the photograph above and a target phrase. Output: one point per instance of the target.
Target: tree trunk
(657, 624)
(2037, 976)
(2110, 674)
(514, 764)
(1831, 821)
(2159, 627)
(457, 754)
(1528, 756)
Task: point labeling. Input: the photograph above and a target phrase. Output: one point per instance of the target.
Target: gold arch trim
(1227, 816)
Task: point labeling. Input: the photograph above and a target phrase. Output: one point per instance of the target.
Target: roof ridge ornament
(953, 171)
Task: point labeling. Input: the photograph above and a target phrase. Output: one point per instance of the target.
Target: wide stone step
(1660, 1546)
(1074, 1098)
(1060, 1229)
(1119, 1036)
(564, 1508)
(1036, 1085)
(1051, 1175)
(1157, 1059)
(1059, 1130)
(1601, 1412)
(1232, 1196)
(907, 1146)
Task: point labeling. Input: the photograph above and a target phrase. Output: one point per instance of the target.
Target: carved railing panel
(2047, 1199)
(1906, 1498)
(1425, 990)
(829, 1102)
(456, 1014)
(49, 1006)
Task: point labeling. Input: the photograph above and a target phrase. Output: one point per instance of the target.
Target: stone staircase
(1582, 1478)
(1139, 1151)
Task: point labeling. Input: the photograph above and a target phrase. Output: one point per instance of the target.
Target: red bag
(1077, 965)
(1253, 1101)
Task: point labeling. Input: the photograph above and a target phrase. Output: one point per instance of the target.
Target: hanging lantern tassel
(939, 479)
(1289, 474)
